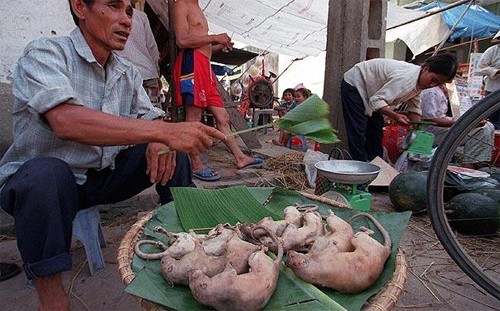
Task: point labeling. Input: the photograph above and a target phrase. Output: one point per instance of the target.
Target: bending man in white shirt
(372, 87)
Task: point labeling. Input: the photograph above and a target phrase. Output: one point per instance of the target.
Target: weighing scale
(418, 140)
(346, 175)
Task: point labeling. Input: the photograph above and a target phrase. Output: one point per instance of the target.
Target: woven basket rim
(382, 301)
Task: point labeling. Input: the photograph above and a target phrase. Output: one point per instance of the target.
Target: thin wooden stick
(426, 269)
(462, 295)
(250, 129)
(425, 285)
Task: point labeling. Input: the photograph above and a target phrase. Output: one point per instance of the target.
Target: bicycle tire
(435, 190)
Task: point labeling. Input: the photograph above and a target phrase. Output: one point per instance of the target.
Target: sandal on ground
(256, 163)
(8, 270)
(207, 174)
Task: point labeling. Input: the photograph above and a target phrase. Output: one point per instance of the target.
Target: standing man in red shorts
(196, 84)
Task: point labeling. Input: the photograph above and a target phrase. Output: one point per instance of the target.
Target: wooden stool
(257, 113)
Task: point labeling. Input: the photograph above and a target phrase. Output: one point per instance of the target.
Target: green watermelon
(490, 193)
(474, 213)
(408, 191)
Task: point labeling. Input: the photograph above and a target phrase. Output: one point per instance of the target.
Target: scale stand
(350, 195)
(418, 140)
(347, 176)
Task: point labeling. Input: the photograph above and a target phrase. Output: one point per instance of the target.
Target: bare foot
(251, 163)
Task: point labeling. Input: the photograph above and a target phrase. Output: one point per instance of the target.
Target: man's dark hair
(444, 64)
(75, 18)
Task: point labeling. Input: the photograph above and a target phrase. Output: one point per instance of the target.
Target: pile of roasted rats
(228, 268)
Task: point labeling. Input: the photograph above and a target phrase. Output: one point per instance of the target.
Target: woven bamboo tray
(384, 300)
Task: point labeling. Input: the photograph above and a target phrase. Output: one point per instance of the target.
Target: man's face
(429, 79)
(106, 24)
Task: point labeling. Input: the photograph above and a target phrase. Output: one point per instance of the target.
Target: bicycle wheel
(458, 245)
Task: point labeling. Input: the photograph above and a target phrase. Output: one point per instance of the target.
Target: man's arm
(88, 126)
(381, 100)
(441, 122)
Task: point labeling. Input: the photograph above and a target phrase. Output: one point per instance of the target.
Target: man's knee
(37, 179)
(45, 167)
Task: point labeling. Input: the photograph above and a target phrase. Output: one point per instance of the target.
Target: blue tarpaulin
(477, 22)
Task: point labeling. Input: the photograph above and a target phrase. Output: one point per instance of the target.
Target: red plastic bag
(392, 140)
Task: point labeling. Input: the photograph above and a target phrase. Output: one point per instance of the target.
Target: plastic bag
(409, 161)
(310, 159)
(467, 183)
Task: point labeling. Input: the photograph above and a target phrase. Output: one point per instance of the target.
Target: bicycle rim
(435, 189)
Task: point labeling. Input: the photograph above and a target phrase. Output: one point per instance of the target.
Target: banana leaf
(311, 120)
(312, 108)
(226, 205)
(291, 292)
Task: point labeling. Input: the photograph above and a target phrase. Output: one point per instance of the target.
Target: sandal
(8, 270)
(207, 174)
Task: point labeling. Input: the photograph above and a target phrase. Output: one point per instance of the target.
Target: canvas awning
(477, 21)
(298, 27)
(420, 35)
(427, 32)
(295, 28)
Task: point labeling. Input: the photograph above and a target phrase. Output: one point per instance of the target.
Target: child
(301, 95)
(287, 104)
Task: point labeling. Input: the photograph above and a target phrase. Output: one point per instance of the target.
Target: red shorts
(194, 81)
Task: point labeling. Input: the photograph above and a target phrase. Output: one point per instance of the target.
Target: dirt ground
(434, 281)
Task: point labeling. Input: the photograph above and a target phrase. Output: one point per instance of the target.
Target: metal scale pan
(348, 173)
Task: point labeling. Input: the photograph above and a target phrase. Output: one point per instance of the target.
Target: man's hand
(160, 168)
(402, 119)
(190, 137)
(224, 40)
(398, 117)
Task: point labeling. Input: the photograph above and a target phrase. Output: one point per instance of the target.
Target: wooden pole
(172, 51)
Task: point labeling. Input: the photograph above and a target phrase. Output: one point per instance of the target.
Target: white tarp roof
(290, 27)
(298, 27)
(419, 35)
